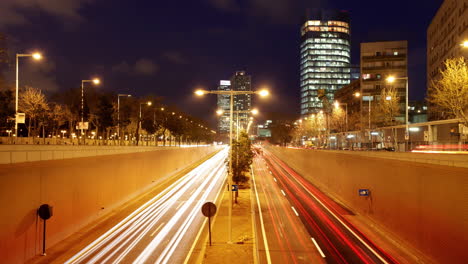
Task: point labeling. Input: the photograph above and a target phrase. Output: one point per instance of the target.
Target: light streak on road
(341, 241)
(162, 229)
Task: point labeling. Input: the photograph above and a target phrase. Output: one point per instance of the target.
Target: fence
(428, 136)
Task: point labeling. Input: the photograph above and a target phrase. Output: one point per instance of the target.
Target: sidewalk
(241, 249)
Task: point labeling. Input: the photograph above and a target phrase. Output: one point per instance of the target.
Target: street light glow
(337, 105)
(254, 111)
(37, 56)
(219, 111)
(357, 94)
(391, 79)
(263, 92)
(149, 103)
(388, 98)
(464, 44)
(96, 81)
(200, 92)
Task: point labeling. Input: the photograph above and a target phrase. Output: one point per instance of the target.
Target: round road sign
(208, 209)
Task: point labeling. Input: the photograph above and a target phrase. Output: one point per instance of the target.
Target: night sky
(169, 48)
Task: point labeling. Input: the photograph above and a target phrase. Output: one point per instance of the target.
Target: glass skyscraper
(325, 57)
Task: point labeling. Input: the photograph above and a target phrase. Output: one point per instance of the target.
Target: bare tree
(389, 105)
(451, 91)
(34, 104)
(338, 119)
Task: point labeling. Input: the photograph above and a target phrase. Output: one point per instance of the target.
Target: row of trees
(48, 117)
(449, 94)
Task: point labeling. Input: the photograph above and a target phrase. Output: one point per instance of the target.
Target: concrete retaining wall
(423, 204)
(27, 153)
(80, 190)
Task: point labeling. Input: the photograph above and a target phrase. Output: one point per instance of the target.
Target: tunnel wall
(80, 191)
(425, 205)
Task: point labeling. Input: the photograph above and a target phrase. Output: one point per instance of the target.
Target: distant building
(324, 57)
(417, 112)
(448, 29)
(380, 60)
(240, 81)
(223, 104)
(347, 95)
(264, 130)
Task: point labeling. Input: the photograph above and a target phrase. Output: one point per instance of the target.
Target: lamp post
(337, 105)
(118, 113)
(231, 93)
(139, 119)
(95, 81)
(391, 79)
(237, 112)
(35, 56)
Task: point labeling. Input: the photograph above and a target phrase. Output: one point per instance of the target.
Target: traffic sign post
(235, 188)
(209, 210)
(45, 212)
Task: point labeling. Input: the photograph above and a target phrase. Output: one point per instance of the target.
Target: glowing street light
(219, 111)
(35, 56)
(231, 93)
(254, 111)
(391, 79)
(464, 44)
(95, 81)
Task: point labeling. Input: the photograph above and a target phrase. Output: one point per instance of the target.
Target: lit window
(366, 76)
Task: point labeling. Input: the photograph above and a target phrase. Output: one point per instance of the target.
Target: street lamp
(118, 113)
(392, 79)
(370, 98)
(464, 44)
(35, 56)
(149, 103)
(231, 93)
(63, 133)
(95, 81)
(337, 105)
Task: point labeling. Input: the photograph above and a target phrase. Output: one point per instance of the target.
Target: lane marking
(341, 222)
(265, 242)
(275, 179)
(294, 209)
(180, 204)
(318, 247)
(205, 221)
(283, 193)
(157, 229)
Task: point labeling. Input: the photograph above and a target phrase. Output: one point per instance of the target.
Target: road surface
(282, 236)
(337, 240)
(164, 229)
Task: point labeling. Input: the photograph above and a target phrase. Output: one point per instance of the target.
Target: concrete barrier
(424, 204)
(10, 154)
(80, 191)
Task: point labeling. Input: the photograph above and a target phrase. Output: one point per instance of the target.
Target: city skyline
(158, 64)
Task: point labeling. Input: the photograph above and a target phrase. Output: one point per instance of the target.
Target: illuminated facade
(223, 104)
(447, 31)
(240, 81)
(380, 60)
(325, 57)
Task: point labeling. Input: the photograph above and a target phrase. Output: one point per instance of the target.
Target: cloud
(14, 12)
(142, 66)
(39, 74)
(146, 67)
(175, 57)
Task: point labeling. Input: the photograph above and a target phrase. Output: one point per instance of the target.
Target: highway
(283, 237)
(337, 240)
(164, 229)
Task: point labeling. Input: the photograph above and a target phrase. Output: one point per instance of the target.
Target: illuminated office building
(325, 57)
(223, 104)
